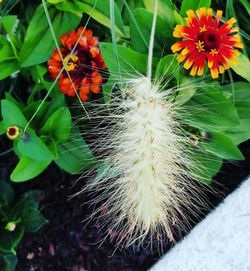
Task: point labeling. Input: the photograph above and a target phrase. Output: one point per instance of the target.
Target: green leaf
(240, 96)
(75, 157)
(127, 7)
(55, 1)
(28, 199)
(168, 66)
(11, 99)
(58, 125)
(239, 133)
(12, 115)
(6, 194)
(38, 43)
(45, 111)
(186, 91)
(52, 145)
(166, 9)
(57, 102)
(2, 128)
(32, 220)
(140, 37)
(96, 9)
(206, 166)
(10, 240)
(205, 3)
(222, 146)
(242, 67)
(8, 67)
(30, 110)
(246, 4)
(38, 74)
(8, 262)
(210, 110)
(6, 51)
(68, 6)
(27, 169)
(26, 212)
(31, 146)
(194, 5)
(8, 23)
(130, 61)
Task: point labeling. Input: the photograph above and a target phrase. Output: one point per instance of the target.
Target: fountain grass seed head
(147, 186)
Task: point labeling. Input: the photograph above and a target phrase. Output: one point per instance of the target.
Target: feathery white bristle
(149, 157)
(147, 186)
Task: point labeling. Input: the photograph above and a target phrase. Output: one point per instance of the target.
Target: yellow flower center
(203, 29)
(71, 62)
(209, 40)
(200, 46)
(213, 52)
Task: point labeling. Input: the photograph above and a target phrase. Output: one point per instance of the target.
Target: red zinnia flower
(83, 65)
(207, 39)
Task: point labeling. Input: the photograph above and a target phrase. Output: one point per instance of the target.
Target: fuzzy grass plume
(147, 188)
(149, 154)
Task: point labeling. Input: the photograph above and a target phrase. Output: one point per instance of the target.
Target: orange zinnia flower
(207, 40)
(83, 64)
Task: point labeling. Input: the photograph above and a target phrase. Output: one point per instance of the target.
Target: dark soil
(65, 244)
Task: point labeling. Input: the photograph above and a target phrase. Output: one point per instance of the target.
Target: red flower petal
(95, 89)
(96, 78)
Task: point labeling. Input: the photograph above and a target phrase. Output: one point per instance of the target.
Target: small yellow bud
(13, 131)
(10, 225)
